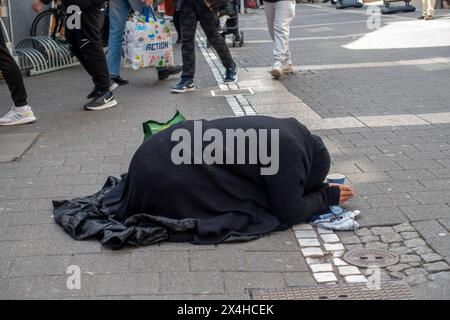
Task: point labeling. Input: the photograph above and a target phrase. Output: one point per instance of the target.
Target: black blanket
(199, 203)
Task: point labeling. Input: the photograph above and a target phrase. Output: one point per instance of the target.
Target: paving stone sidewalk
(401, 175)
(400, 172)
(73, 157)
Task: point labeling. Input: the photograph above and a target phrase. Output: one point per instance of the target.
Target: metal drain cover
(223, 93)
(371, 257)
(391, 290)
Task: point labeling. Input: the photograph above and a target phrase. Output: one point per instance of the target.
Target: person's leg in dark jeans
(191, 12)
(177, 24)
(188, 22)
(209, 23)
(21, 113)
(87, 46)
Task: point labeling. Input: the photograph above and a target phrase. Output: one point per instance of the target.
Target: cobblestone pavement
(401, 171)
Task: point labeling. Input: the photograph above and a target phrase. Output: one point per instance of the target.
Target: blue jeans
(118, 14)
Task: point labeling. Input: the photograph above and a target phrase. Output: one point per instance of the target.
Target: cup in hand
(336, 178)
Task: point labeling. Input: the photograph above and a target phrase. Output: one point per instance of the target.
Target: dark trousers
(11, 73)
(193, 11)
(87, 46)
(176, 22)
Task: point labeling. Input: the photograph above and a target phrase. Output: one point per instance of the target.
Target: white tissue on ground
(337, 219)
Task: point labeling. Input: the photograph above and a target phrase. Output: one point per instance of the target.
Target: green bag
(152, 127)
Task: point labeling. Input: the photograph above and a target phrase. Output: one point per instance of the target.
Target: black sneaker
(120, 81)
(185, 85)
(231, 74)
(95, 93)
(104, 101)
(164, 73)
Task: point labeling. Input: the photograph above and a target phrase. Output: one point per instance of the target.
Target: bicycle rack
(38, 55)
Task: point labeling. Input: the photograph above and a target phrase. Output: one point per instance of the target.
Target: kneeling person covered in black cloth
(205, 202)
(87, 45)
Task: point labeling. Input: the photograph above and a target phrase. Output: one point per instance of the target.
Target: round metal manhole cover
(371, 257)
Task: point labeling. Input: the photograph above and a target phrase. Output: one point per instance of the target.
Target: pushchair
(231, 26)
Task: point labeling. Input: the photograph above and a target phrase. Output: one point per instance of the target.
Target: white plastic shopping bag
(148, 41)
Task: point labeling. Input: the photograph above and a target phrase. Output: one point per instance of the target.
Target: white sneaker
(277, 70)
(15, 117)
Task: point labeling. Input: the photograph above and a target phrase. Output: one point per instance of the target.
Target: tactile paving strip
(222, 93)
(360, 291)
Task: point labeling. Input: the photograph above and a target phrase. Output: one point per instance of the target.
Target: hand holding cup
(346, 192)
